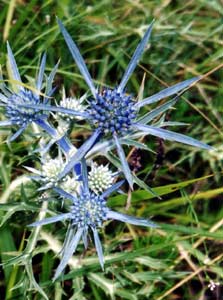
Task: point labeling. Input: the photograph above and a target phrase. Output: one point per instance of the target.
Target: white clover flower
(71, 185)
(100, 178)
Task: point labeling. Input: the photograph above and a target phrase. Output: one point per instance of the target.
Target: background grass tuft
(178, 260)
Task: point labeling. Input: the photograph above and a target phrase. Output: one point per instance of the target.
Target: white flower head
(72, 103)
(70, 185)
(100, 178)
(51, 169)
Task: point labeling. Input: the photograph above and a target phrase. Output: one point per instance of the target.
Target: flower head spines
(135, 58)
(112, 111)
(13, 65)
(18, 114)
(50, 173)
(100, 178)
(51, 169)
(77, 57)
(74, 104)
(89, 210)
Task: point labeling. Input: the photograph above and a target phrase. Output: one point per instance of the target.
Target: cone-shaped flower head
(87, 211)
(51, 169)
(22, 102)
(112, 111)
(115, 114)
(100, 178)
(18, 114)
(72, 103)
(49, 176)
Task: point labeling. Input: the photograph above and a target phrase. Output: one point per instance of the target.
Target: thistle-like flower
(88, 211)
(25, 104)
(51, 169)
(114, 114)
(16, 102)
(49, 176)
(100, 178)
(72, 103)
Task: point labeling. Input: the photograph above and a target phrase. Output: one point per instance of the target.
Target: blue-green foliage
(114, 117)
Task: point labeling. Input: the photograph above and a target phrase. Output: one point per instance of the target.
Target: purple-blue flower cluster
(88, 211)
(115, 120)
(112, 112)
(22, 116)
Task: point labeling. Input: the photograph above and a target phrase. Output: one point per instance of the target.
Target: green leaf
(142, 195)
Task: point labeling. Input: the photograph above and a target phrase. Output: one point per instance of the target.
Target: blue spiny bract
(114, 114)
(87, 211)
(21, 103)
(19, 115)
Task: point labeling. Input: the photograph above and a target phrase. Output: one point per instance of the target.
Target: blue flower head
(19, 115)
(17, 102)
(88, 211)
(114, 114)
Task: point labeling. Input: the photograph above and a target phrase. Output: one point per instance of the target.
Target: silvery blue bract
(114, 113)
(87, 212)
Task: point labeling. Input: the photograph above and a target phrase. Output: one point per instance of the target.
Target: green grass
(177, 260)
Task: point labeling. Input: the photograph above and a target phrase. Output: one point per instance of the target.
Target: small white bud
(100, 178)
(51, 169)
(72, 103)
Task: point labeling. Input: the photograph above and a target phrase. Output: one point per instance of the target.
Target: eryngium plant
(13, 100)
(87, 211)
(115, 114)
(115, 119)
